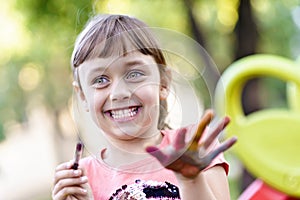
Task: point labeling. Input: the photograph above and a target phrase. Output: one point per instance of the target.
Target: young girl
(120, 76)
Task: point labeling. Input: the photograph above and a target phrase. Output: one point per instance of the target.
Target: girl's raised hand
(190, 158)
(70, 184)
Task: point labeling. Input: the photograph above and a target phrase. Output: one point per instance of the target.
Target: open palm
(190, 158)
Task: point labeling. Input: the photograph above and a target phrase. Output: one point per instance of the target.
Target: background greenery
(37, 36)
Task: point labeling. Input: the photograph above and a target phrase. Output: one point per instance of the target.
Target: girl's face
(122, 94)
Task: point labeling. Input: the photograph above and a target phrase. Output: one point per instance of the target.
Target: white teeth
(119, 114)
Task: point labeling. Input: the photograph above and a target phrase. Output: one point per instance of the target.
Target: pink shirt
(105, 180)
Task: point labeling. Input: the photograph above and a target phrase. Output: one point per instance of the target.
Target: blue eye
(134, 75)
(101, 81)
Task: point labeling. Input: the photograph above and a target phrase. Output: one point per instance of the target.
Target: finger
(163, 157)
(156, 152)
(63, 166)
(68, 173)
(223, 147)
(70, 182)
(179, 142)
(216, 131)
(202, 125)
(70, 191)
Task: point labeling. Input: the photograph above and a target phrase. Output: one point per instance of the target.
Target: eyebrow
(134, 62)
(96, 69)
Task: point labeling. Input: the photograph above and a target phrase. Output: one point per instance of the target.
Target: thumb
(156, 152)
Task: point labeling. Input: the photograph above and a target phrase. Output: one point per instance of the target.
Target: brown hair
(107, 35)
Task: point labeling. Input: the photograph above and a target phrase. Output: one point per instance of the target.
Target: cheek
(149, 95)
(95, 103)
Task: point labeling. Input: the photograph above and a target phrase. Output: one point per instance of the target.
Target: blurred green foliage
(36, 69)
(40, 73)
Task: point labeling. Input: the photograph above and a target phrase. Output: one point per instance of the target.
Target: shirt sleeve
(219, 161)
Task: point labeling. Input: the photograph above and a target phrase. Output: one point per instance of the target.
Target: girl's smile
(123, 115)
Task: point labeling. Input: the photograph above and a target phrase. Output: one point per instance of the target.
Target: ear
(80, 95)
(165, 82)
(163, 93)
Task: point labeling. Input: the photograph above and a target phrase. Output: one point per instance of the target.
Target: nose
(119, 91)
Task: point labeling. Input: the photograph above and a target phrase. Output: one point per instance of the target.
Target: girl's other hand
(70, 184)
(190, 158)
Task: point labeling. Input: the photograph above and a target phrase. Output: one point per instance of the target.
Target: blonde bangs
(114, 36)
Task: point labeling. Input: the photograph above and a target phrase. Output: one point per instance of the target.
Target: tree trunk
(210, 71)
(246, 40)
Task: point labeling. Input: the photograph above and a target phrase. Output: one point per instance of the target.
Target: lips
(123, 114)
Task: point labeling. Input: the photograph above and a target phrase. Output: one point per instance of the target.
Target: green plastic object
(293, 94)
(269, 139)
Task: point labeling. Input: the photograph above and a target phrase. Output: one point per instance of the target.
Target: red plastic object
(258, 190)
